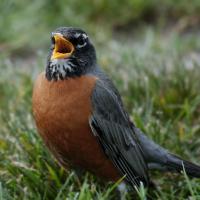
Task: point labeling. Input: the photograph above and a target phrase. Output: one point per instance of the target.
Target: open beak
(63, 48)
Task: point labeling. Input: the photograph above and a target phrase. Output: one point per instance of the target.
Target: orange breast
(61, 110)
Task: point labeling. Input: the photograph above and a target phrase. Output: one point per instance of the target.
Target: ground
(157, 73)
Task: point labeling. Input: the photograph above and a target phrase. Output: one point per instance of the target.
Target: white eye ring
(81, 45)
(84, 36)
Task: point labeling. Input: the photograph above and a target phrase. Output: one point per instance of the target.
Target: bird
(80, 115)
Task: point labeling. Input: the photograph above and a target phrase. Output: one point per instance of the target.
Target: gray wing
(111, 125)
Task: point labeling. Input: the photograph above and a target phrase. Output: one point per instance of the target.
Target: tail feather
(176, 163)
(159, 158)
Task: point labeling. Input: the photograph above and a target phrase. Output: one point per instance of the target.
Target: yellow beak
(63, 48)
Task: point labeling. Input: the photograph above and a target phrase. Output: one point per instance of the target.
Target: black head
(71, 54)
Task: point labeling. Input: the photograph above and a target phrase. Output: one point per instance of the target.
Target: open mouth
(63, 48)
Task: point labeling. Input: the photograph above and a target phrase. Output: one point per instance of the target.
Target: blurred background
(150, 49)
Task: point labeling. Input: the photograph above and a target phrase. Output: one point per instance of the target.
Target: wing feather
(111, 125)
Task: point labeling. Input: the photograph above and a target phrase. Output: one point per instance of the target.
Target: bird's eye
(81, 41)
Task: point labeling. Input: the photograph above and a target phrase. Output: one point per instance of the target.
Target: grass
(29, 27)
(156, 71)
(158, 77)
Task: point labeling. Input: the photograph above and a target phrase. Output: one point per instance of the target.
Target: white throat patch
(61, 67)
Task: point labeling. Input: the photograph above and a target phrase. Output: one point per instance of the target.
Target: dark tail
(160, 158)
(175, 163)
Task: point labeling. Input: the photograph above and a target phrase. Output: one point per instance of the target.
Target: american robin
(81, 118)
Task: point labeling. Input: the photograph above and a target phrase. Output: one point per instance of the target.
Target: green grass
(158, 77)
(156, 71)
(27, 23)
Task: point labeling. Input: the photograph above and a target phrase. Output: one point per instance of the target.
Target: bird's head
(71, 54)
